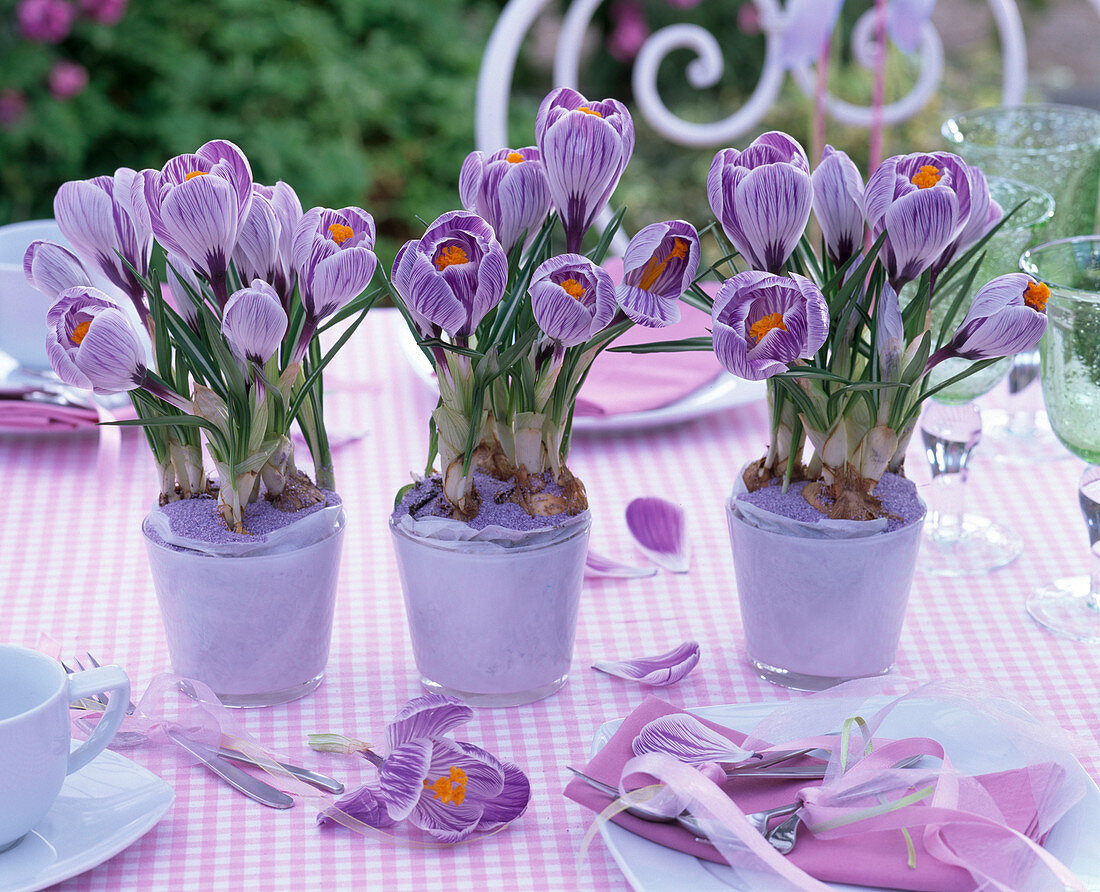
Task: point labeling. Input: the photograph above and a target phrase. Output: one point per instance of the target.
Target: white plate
(102, 809)
(724, 392)
(968, 740)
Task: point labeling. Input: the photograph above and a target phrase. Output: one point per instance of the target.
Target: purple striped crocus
(1008, 315)
(51, 268)
(658, 267)
(838, 204)
(108, 230)
(572, 298)
(265, 248)
(254, 322)
(585, 147)
(180, 278)
(984, 214)
(763, 323)
(448, 788)
(922, 201)
(334, 256)
(508, 189)
(762, 198)
(197, 205)
(451, 276)
(92, 343)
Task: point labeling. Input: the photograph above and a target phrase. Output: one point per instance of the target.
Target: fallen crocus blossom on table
(659, 671)
(688, 739)
(448, 788)
(600, 567)
(658, 527)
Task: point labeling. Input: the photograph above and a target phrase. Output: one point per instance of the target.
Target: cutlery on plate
(685, 819)
(783, 836)
(320, 781)
(240, 780)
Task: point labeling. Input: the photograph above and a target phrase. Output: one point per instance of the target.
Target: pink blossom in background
(748, 18)
(630, 30)
(683, 4)
(105, 12)
(45, 21)
(13, 105)
(67, 79)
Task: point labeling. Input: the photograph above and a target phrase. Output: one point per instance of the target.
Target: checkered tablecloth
(74, 566)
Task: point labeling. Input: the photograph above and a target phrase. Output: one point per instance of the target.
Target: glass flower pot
(255, 628)
(493, 624)
(818, 612)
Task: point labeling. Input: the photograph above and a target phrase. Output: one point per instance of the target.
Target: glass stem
(1094, 578)
(949, 504)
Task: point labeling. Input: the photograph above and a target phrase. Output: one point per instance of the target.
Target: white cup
(35, 694)
(22, 308)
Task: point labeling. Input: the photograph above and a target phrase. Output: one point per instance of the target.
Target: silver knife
(252, 787)
(320, 781)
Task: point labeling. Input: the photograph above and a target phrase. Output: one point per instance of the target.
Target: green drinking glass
(1054, 147)
(1071, 390)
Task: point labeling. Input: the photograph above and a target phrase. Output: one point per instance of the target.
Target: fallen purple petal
(658, 528)
(686, 738)
(597, 566)
(659, 671)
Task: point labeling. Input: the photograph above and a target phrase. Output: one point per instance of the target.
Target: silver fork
(99, 697)
(685, 819)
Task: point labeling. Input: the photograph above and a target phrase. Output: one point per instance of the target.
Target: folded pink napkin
(869, 859)
(636, 382)
(20, 415)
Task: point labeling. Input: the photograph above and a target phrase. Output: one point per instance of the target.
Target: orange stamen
(514, 158)
(573, 288)
(589, 111)
(450, 256)
(1036, 296)
(79, 332)
(654, 268)
(450, 790)
(193, 174)
(762, 326)
(926, 177)
(340, 232)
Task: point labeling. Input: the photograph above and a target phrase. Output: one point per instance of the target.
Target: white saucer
(102, 809)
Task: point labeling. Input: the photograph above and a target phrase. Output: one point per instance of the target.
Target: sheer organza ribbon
(958, 821)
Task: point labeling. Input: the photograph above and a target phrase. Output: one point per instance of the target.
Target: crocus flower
(197, 205)
(333, 253)
(105, 227)
(45, 21)
(922, 201)
(763, 323)
(508, 189)
(984, 214)
(254, 322)
(452, 276)
(838, 204)
(448, 788)
(1008, 315)
(572, 298)
(659, 265)
(585, 147)
(288, 212)
(889, 333)
(51, 268)
(762, 198)
(67, 79)
(92, 343)
(180, 278)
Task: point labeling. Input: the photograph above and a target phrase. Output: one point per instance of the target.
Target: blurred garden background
(371, 102)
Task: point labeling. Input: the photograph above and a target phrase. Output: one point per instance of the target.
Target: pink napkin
(870, 859)
(636, 382)
(21, 415)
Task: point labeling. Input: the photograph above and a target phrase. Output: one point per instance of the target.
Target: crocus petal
(571, 317)
(201, 217)
(401, 777)
(447, 822)
(658, 528)
(660, 671)
(111, 355)
(430, 715)
(51, 268)
(920, 225)
(484, 771)
(999, 321)
(258, 242)
(340, 278)
(773, 206)
(427, 296)
(686, 738)
(838, 204)
(510, 802)
(596, 565)
(254, 322)
(363, 805)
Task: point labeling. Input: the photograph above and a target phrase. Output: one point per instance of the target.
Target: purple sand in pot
(199, 519)
(426, 500)
(898, 494)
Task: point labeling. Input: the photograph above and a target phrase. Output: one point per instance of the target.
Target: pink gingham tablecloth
(74, 566)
